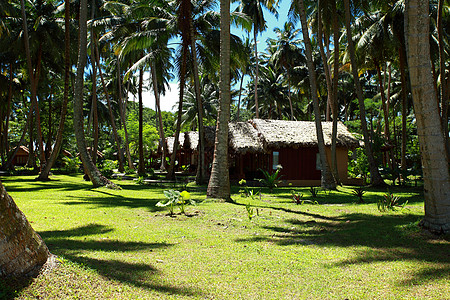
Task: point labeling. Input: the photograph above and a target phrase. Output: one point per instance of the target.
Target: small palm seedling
(271, 180)
(359, 192)
(314, 192)
(390, 202)
(250, 211)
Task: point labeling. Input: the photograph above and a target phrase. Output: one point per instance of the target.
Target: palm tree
(33, 84)
(287, 54)
(327, 180)
(22, 250)
(435, 161)
(254, 9)
(94, 174)
(219, 182)
(375, 176)
(59, 136)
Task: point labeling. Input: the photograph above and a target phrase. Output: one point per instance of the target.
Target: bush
(71, 165)
(390, 202)
(108, 167)
(271, 180)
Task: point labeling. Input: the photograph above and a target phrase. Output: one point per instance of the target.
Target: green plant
(174, 198)
(71, 165)
(297, 197)
(271, 180)
(129, 170)
(314, 192)
(250, 211)
(247, 192)
(359, 192)
(390, 202)
(108, 167)
(140, 180)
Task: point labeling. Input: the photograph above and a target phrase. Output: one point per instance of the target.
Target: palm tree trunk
(334, 91)
(59, 135)
(141, 167)
(324, 61)
(239, 100)
(435, 162)
(219, 183)
(32, 83)
(201, 170)
(443, 89)
(111, 115)
(376, 179)
(255, 34)
(162, 136)
(94, 174)
(327, 180)
(22, 250)
(383, 103)
(402, 59)
(122, 116)
(171, 170)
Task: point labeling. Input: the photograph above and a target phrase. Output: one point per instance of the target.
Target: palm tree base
(434, 226)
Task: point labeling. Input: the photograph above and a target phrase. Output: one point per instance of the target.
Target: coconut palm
(22, 250)
(219, 182)
(435, 162)
(327, 180)
(254, 10)
(94, 174)
(375, 176)
(287, 54)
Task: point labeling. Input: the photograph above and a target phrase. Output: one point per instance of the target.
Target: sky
(169, 100)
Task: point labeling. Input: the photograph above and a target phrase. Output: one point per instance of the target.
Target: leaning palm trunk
(376, 179)
(435, 162)
(219, 182)
(327, 180)
(22, 251)
(94, 174)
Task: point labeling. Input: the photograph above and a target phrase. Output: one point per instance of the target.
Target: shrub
(108, 167)
(71, 165)
(359, 192)
(176, 198)
(270, 180)
(390, 202)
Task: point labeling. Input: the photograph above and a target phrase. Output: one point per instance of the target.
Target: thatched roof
(191, 140)
(295, 134)
(171, 140)
(244, 138)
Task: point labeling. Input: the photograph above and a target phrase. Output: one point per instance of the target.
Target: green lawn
(115, 244)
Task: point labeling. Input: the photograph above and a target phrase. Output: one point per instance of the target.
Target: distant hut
(21, 157)
(291, 145)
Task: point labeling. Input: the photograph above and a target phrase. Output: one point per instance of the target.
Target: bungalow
(270, 144)
(21, 157)
(291, 145)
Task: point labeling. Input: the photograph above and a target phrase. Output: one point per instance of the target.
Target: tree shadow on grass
(388, 237)
(103, 198)
(62, 243)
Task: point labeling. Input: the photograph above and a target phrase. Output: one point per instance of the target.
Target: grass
(116, 244)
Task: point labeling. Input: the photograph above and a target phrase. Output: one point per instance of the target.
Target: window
(318, 162)
(275, 160)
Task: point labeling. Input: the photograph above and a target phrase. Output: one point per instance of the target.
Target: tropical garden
(73, 78)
